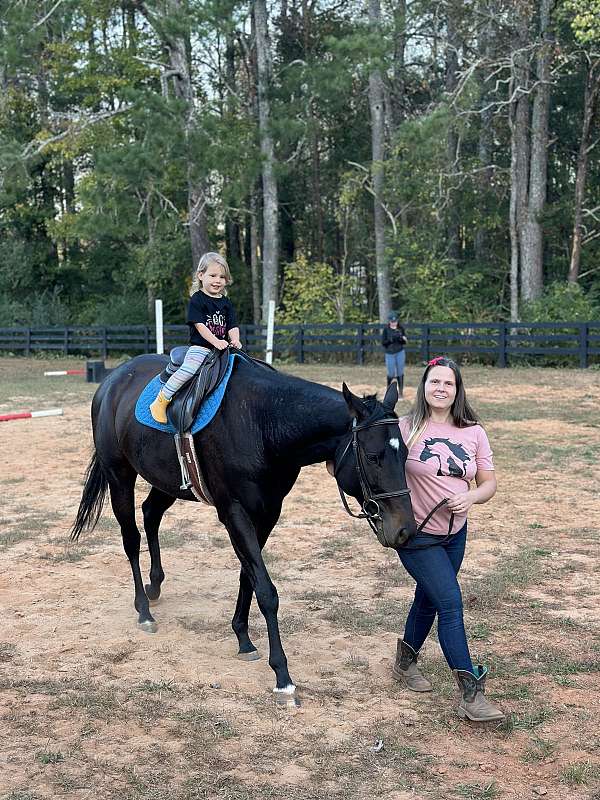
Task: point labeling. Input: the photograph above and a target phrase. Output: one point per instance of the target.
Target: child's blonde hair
(204, 263)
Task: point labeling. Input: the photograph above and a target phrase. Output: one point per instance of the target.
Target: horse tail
(92, 500)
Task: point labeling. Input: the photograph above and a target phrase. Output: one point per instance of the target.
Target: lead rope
(425, 521)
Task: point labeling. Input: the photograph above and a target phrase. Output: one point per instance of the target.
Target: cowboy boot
(389, 380)
(473, 703)
(158, 408)
(400, 380)
(406, 671)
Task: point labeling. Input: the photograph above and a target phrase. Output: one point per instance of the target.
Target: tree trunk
(452, 217)
(377, 150)
(485, 145)
(519, 148)
(270, 248)
(176, 42)
(254, 262)
(592, 87)
(532, 275)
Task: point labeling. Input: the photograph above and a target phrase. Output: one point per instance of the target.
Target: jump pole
(56, 372)
(49, 412)
(158, 317)
(270, 332)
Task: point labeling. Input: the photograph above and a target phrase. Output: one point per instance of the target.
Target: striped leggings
(191, 364)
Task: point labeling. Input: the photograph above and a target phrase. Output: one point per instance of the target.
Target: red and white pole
(55, 372)
(49, 412)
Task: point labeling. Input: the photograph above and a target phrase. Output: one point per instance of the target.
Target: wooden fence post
(583, 345)
(300, 345)
(104, 343)
(28, 343)
(502, 331)
(360, 344)
(425, 343)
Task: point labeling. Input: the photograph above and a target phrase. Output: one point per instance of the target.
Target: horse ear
(356, 407)
(391, 396)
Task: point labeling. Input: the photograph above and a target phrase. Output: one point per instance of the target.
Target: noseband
(370, 507)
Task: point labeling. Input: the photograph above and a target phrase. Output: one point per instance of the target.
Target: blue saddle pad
(205, 414)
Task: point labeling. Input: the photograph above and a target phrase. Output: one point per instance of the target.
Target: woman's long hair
(463, 416)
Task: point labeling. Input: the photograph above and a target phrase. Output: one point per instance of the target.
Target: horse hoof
(153, 595)
(253, 655)
(286, 697)
(148, 626)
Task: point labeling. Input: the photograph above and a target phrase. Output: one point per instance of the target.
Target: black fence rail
(500, 343)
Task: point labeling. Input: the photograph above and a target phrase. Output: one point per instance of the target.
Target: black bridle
(373, 516)
(371, 510)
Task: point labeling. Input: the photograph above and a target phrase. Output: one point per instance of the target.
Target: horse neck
(317, 420)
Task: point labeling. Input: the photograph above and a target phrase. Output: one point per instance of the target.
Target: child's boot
(158, 408)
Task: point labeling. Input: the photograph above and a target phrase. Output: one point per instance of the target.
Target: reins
(373, 516)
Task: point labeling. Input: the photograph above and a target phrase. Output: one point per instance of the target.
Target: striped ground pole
(56, 372)
(49, 412)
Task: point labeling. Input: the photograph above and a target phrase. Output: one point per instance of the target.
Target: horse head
(370, 463)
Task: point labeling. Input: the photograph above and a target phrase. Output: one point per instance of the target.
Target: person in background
(393, 341)
(448, 450)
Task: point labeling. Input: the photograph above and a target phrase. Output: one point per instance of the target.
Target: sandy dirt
(91, 707)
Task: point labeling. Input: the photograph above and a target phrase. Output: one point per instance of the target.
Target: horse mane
(376, 409)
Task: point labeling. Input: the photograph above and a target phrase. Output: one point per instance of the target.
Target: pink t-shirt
(442, 462)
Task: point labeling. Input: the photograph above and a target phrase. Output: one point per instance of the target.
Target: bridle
(371, 510)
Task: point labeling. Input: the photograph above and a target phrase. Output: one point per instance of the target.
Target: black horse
(268, 427)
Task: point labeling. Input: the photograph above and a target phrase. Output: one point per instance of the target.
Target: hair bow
(435, 361)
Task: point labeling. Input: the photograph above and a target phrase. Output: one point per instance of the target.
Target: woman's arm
(486, 488)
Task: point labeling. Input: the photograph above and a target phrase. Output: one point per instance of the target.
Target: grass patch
(205, 724)
(581, 773)
(476, 791)
(526, 722)
(49, 757)
(538, 750)
(514, 573)
(8, 651)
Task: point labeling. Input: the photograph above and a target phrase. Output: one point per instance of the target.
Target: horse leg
(153, 509)
(121, 485)
(242, 533)
(247, 651)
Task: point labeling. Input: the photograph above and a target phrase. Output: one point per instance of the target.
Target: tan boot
(158, 408)
(406, 670)
(473, 703)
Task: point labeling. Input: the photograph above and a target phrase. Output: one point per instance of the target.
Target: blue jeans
(435, 570)
(394, 364)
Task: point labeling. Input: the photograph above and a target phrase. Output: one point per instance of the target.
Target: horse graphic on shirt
(450, 452)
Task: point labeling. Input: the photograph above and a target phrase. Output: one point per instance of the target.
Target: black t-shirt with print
(216, 313)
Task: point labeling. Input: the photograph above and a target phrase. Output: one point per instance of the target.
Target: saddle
(182, 410)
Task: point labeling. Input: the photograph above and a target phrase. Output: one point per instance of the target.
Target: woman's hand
(236, 343)
(221, 344)
(460, 503)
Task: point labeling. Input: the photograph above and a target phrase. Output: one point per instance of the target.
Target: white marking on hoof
(395, 443)
(149, 626)
(289, 689)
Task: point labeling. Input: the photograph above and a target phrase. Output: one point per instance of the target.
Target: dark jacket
(393, 341)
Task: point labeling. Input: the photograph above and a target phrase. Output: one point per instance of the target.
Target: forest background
(438, 157)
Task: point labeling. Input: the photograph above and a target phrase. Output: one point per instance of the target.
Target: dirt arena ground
(92, 708)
